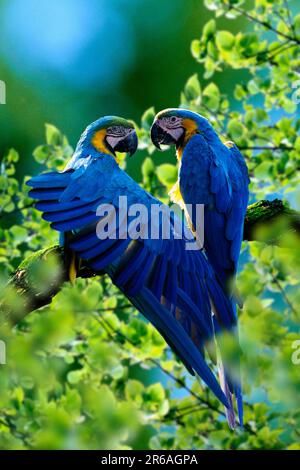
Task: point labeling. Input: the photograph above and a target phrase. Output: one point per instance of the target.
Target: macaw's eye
(173, 119)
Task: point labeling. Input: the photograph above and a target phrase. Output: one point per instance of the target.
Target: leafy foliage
(88, 372)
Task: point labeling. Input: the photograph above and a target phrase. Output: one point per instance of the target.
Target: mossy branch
(269, 221)
(26, 291)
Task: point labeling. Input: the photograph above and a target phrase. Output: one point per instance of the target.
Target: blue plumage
(215, 175)
(155, 274)
(225, 195)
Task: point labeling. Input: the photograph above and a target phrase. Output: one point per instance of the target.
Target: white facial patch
(113, 140)
(176, 133)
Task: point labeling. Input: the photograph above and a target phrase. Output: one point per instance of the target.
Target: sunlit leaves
(167, 174)
(235, 129)
(192, 88)
(211, 97)
(225, 40)
(56, 152)
(143, 131)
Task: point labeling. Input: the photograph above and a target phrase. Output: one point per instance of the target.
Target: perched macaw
(213, 174)
(171, 286)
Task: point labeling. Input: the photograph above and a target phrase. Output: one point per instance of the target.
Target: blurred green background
(68, 62)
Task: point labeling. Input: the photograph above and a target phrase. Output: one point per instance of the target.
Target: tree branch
(263, 217)
(23, 294)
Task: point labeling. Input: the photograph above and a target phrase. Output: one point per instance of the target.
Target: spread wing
(173, 287)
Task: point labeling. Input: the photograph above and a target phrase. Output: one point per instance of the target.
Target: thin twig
(15, 211)
(263, 23)
(285, 296)
(290, 18)
(266, 147)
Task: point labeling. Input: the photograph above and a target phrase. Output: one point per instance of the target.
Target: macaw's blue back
(215, 174)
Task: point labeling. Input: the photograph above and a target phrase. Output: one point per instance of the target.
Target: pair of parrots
(188, 295)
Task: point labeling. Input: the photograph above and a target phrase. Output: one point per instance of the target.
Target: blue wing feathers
(76, 223)
(69, 214)
(164, 321)
(82, 242)
(158, 277)
(50, 180)
(97, 249)
(46, 194)
(149, 272)
(102, 261)
(133, 263)
(170, 287)
(140, 279)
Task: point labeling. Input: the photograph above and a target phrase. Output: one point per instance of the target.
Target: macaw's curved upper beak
(160, 136)
(129, 144)
(157, 135)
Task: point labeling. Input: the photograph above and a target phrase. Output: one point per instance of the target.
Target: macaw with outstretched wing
(215, 175)
(171, 286)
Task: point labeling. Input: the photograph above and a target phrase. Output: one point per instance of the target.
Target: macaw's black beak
(160, 136)
(129, 144)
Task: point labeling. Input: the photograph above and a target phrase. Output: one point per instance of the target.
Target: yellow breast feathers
(175, 195)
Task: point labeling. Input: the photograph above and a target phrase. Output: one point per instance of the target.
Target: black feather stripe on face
(116, 131)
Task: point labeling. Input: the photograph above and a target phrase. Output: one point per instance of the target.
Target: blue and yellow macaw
(171, 286)
(213, 174)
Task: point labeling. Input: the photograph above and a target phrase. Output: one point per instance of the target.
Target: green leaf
(212, 96)
(225, 40)
(41, 153)
(235, 129)
(239, 92)
(148, 168)
(167, 174)
(19, 233)
(263, 170)
(53, 135)
(94, 292)
(253, 87)
(156, 393)
(295, 446)
(297, 143)
(195, 48)
(211, 4)
(209, 29)
(148, 118)
(12, 156)
(192, 88)
(297, 24)
(134, 390)
(248, 44)
(75, 376)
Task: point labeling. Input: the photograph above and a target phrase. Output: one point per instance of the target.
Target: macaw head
(109, 134)
(175, 126)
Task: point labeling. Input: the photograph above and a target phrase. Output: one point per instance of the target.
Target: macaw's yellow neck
(99, 143)
(175, 195)
(191, 129)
